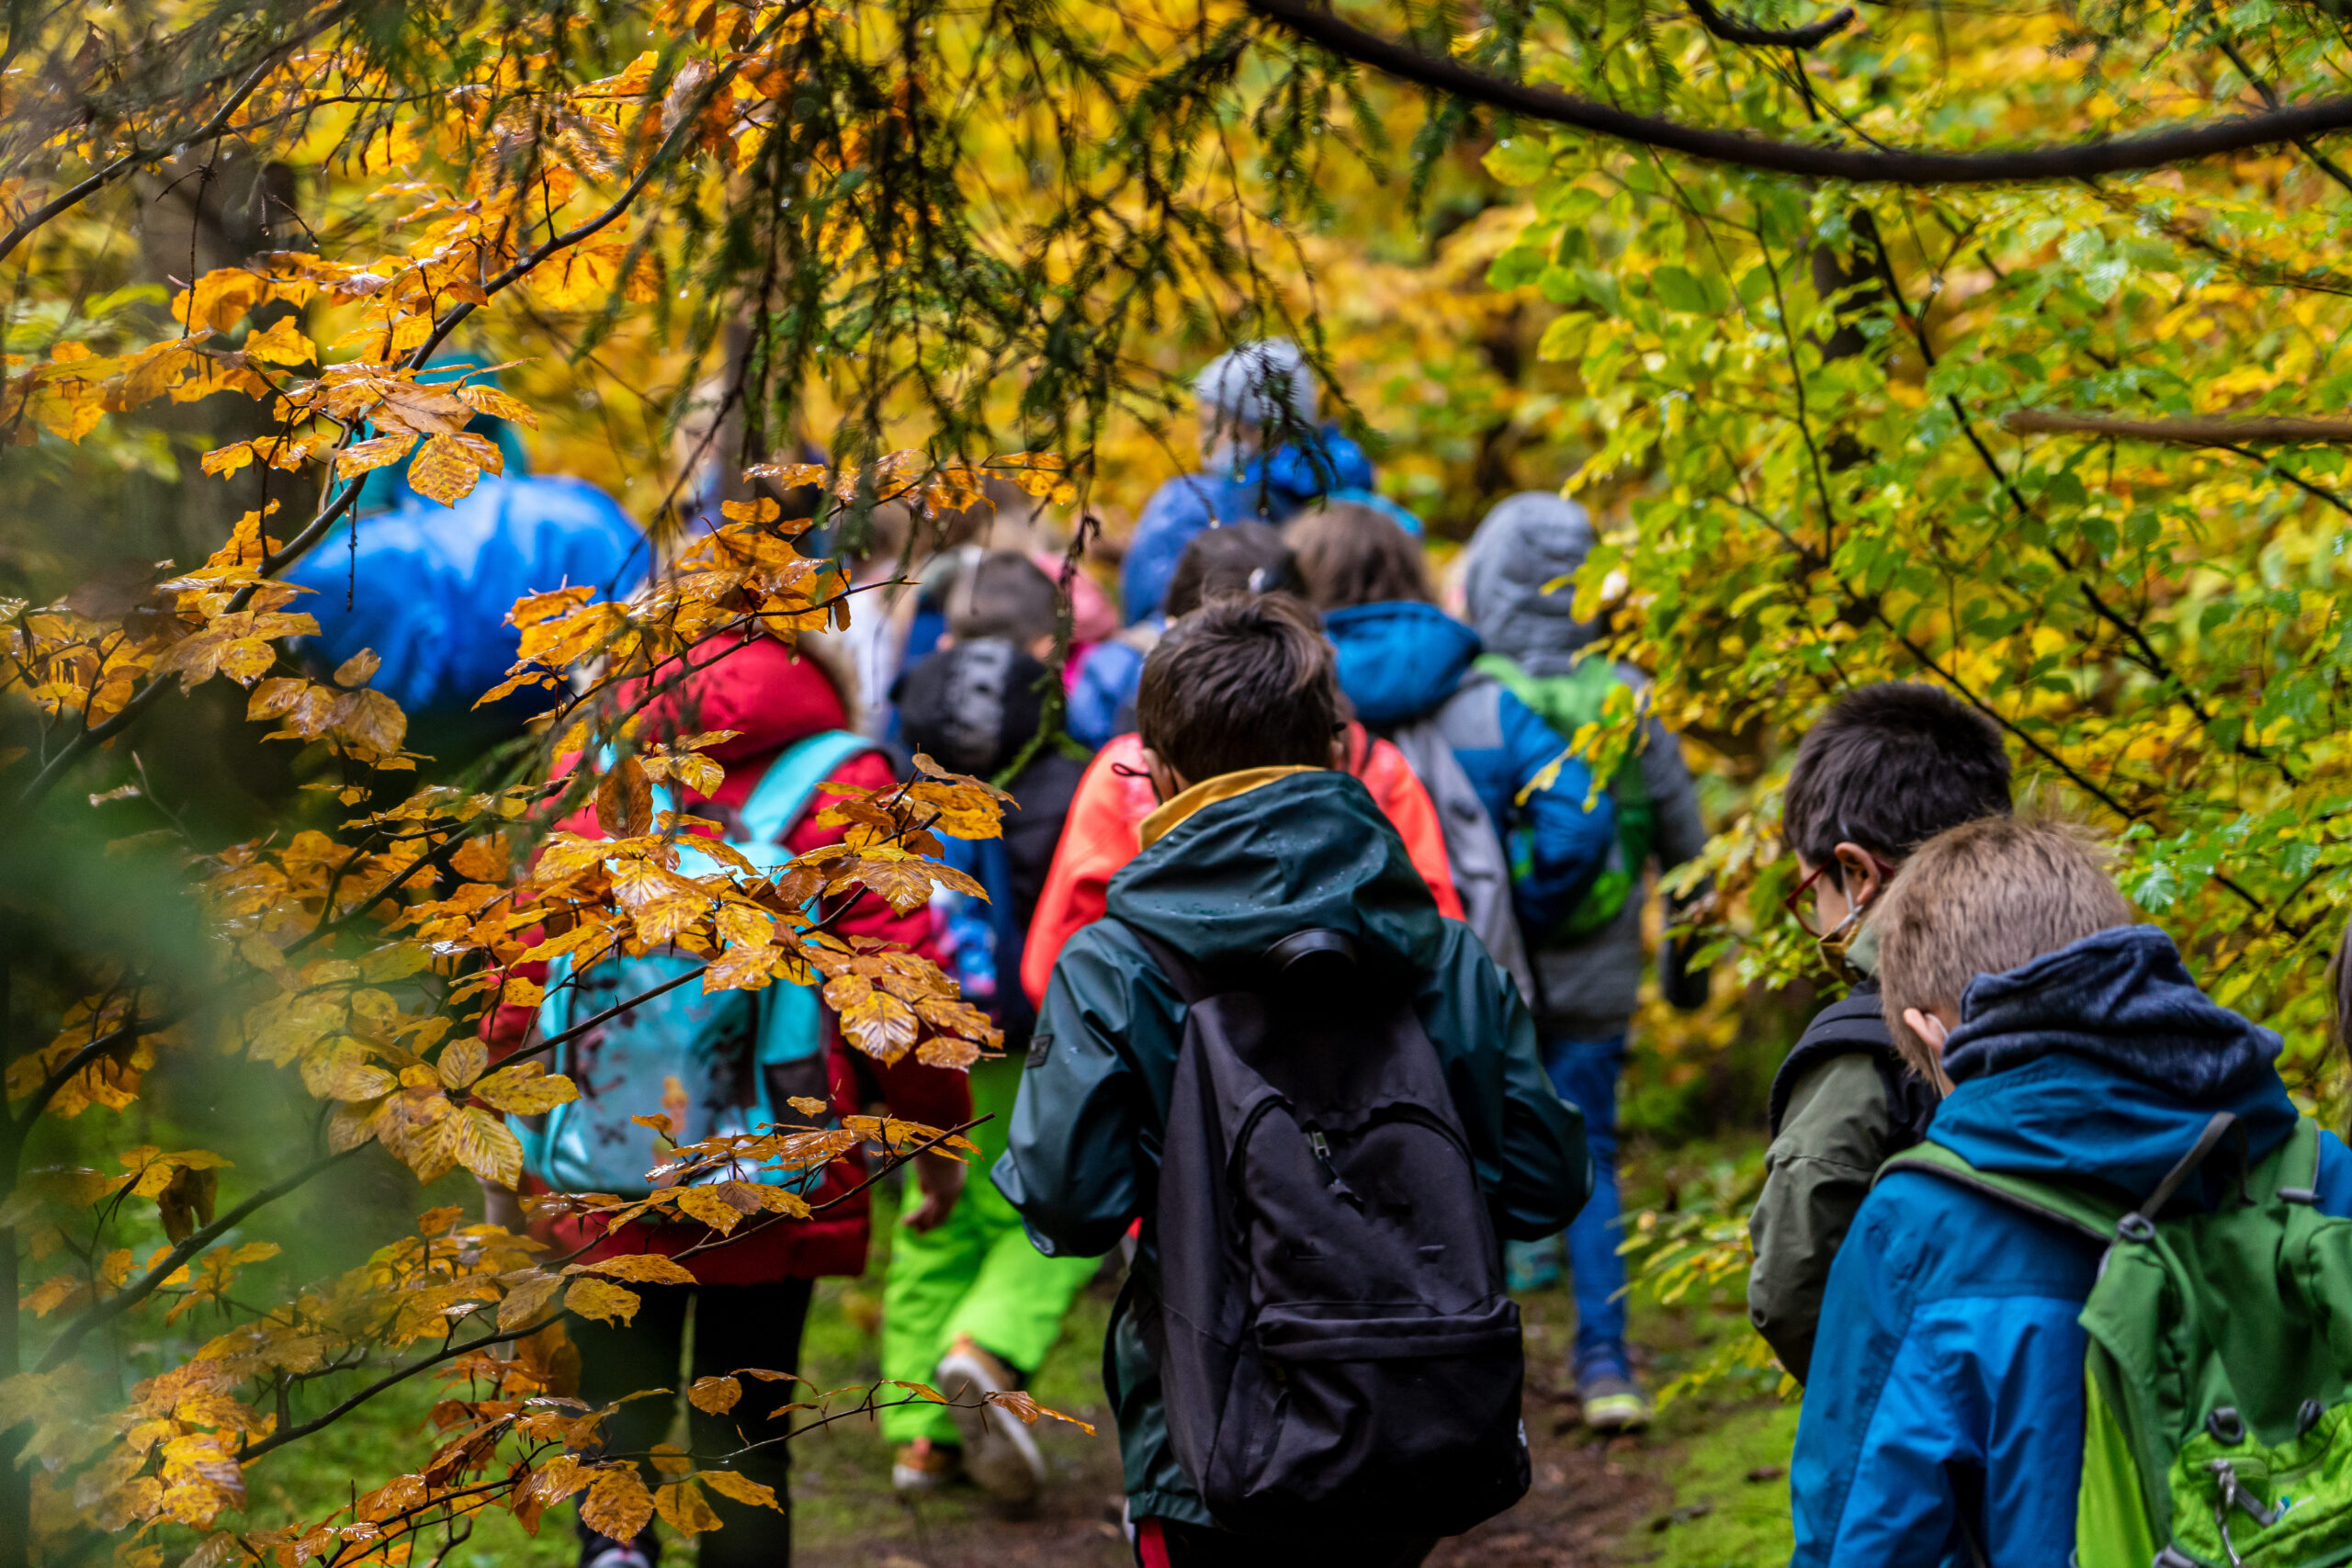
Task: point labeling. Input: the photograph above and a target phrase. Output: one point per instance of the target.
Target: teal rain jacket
(1308, 851)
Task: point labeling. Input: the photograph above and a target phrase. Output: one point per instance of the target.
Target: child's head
(1253, 393)
(1241, 683)
(1986, 896)
(1002, 595)
(1888, 768)
(1348, 554)
(1236, 558)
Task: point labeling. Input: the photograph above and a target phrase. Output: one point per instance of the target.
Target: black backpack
(1339, 1357)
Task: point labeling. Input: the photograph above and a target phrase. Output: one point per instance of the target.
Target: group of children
(1292, 741)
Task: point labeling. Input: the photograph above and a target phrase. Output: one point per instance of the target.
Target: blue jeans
(1585, 1072)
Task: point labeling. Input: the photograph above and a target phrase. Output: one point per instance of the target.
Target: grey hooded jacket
(1586, 989)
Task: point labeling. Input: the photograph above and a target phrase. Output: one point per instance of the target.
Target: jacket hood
(2103, 1060)
(973, 705)
(1398, 659)
(1532, 538)
(1306, 851)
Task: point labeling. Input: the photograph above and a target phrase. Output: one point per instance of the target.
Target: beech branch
(2208, 432)
(2076, 160)
(1806, 37)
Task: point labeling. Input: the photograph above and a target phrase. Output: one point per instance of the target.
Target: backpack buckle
(2135, 1227)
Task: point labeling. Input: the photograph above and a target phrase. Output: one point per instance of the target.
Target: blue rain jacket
(1402, 662)
(1272, 488)
(1947, 1374)
(430, 585)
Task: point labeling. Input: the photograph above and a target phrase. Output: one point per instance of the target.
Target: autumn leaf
(376, 452)
(714, 1396)
(740, 1488)
(625, 800)
(449, 466)
(472, 1137)
(641, 1268)
(462, 1062)
(527, 1298)
(704, 1203)
(525, 1089)
(359, 669)
(617, 1506)
(600, 1300)
(683, 1506)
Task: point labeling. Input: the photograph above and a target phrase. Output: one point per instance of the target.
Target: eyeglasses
(1798, 900)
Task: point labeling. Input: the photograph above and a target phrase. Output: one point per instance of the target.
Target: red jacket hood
(760, 687)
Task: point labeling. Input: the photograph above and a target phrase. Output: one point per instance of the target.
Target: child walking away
(1587, 966)
(1115, 798)
(1406, 666)
(969, 1306)
(731, 1058)
(1322, 1100)
(2103, 1315)
(1888, 768)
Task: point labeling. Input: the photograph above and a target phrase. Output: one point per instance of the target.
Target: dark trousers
(735, 1326)
(1164, 1543)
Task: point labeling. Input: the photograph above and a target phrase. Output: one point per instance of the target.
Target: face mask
(1836, 943)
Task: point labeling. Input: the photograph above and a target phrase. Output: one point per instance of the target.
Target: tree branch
(397, 1375)
(2070, 160)
(2196, 432)
(1807, 36)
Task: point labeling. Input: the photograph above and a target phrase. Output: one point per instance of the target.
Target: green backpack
(1567, 703)
(2219, 1356)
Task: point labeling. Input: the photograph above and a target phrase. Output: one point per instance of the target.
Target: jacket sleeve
(1405, 800)
(1528, 1143)
(1568, 844)
(1922, 1406)
(1083, 1150)
(1816, 1176)
(1179, 509)
(1097, 839)
(1680, 831)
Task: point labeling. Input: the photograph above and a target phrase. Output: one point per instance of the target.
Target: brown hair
(1980, 898)
(1241, 683)
(1002, 594)
(1348, 554)
(1230, 557)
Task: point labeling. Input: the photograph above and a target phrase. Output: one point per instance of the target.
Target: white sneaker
(1000, 1455)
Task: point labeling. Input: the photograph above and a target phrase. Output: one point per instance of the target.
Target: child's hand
(940, 1179)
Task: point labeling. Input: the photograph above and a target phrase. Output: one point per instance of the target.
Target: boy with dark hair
(1260, 836)
(1888, 767)
(2106, 1125)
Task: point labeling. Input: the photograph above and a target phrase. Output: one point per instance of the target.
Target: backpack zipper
(1322, 1148)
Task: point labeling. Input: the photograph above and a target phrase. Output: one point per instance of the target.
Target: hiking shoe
(1000, 1455)
(925, 1466)
(1613, 1402)
(1532, 1265)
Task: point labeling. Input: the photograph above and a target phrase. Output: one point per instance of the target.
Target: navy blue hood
(2103, 1060)
(1398, 659)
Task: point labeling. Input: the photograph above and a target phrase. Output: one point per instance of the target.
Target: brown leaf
(741, 1488)
(641, 1268)
(359, 669)
(704, 1203)
(448, 468)
(684, 1509)
(625, 800)
(374, 453)
(618, 1505)
(371, 718)
(714, 1396)
(527, 1298)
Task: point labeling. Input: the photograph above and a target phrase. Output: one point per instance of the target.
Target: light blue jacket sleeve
(1568, 845)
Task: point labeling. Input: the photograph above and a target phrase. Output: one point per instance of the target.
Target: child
(1945, 1419)
(1257, 837)
(1406, 667)
(1588, 967)
(1888, 768)
(1116, 796)
(969, 1306)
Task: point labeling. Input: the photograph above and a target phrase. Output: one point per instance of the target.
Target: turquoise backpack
(714, 1051)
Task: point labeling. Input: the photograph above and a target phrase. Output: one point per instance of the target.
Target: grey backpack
(1473, 849)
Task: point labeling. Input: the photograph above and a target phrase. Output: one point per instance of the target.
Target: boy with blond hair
(1944, 1420)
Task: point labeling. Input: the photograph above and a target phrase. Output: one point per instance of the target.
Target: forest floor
(1705, 1487)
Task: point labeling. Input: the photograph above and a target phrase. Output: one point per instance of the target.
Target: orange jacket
(1100, 837)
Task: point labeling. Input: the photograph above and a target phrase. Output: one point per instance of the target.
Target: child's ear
(1927, 1027)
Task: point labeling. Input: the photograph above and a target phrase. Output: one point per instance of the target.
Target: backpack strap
(2304, 1146)
(1182, 974)
(2137, 1226)
(793, 779)
(2075, 1211)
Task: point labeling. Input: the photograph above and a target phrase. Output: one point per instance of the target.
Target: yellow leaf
(602, 1300)
(463, 1062)
(714, 1396)
(527, 1298)
(370, 719)
(640, 1268)
(526, 1088)
(373, 453)
(449, 467)
(357, 670)
(704, 1203)
(617, 1506)
(498, 405)
(474, 1138)
(283, 343)
(625, 800)
(741, 1488)
(684, 1509)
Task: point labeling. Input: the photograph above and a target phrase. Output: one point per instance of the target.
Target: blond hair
(1983, 897)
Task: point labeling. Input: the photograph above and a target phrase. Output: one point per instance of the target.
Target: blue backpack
(704, 1059)
(982, 941)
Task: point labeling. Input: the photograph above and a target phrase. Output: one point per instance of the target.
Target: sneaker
(1613, 1402)
(1000, 1455)
(1533, 1265)
(925, 1466)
